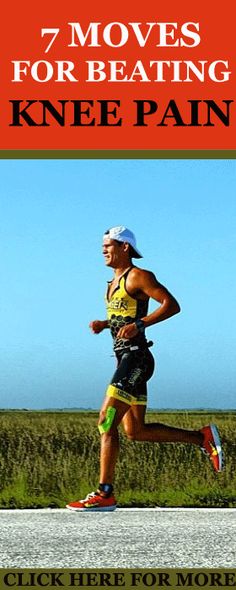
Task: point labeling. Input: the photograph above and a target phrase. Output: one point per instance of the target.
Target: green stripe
(118, 154)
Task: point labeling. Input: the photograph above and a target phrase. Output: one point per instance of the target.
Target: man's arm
(98, 325)
(143, 284)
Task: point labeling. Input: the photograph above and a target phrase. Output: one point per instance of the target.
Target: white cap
(123, 234)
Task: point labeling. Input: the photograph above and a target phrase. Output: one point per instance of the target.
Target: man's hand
(98, 326)
(128, 331)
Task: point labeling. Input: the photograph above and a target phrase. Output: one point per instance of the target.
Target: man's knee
(132, 431)
(106, 420)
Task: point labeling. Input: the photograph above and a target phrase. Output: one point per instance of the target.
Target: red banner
(117, 76)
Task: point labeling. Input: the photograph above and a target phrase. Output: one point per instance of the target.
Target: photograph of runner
(125, 402)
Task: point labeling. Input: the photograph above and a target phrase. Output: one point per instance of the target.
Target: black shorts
(129, 382)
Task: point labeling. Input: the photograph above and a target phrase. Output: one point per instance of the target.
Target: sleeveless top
(123, 309)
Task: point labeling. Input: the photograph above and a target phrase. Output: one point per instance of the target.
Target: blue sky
(53, 214)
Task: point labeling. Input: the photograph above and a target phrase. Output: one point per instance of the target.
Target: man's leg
(112, 412)
(110, 437)
(136, 429)
(207, 438)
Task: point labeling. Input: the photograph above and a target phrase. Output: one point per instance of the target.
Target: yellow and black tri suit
(135, 361)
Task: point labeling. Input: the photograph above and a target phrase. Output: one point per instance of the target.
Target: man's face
(112, 252)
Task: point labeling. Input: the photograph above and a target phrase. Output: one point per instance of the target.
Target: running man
(125, 402)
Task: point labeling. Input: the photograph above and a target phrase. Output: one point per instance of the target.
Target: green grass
(50, 458)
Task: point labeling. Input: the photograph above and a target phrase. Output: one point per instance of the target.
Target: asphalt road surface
(126, 538)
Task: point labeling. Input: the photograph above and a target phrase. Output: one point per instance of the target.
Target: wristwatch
(140, 325)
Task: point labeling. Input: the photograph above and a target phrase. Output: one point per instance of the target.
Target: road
(126, 538)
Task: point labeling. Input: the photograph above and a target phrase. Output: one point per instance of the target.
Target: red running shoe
(94, 502)
(212, 446)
